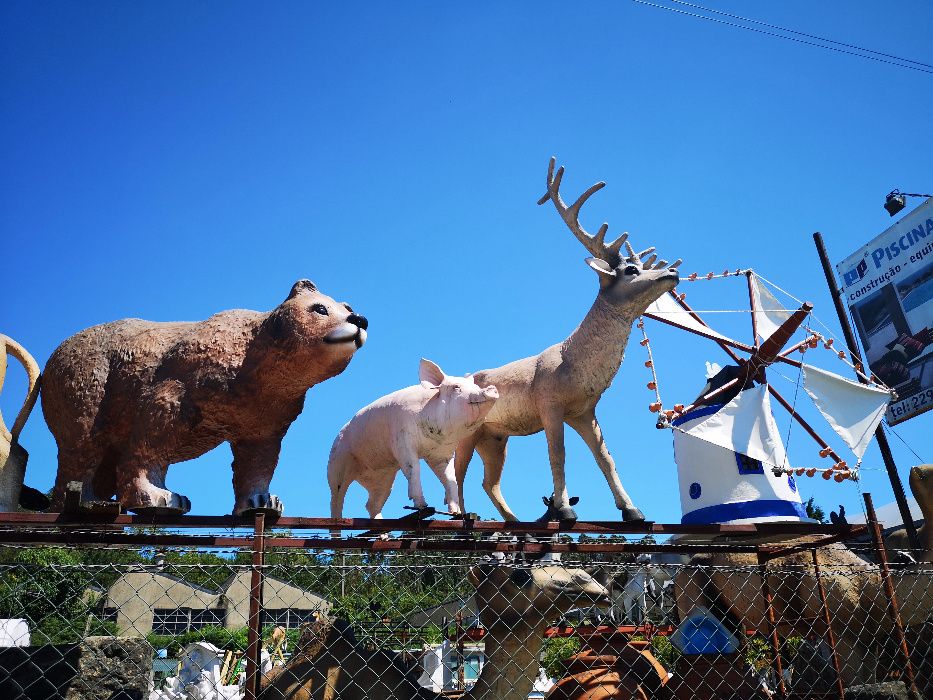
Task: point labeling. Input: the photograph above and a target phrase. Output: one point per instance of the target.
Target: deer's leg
(492, 450)
(588, 428)
(554, 432)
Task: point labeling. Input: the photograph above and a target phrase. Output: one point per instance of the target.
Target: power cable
(889, 429)
(789, 38)
(810, 36)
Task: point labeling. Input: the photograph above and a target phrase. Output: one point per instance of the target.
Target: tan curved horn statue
(12, 455)
(921, 485)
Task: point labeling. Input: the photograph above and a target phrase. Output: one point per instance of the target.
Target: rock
(100, 668)
(112, 668)
(893, 690)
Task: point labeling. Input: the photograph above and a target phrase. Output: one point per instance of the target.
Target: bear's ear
(301, 287)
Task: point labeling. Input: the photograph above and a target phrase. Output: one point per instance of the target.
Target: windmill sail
(667, 310)
(745, 425)
(853, 410)
(769, 312)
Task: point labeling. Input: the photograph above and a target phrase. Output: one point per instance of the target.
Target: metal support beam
(882, 439)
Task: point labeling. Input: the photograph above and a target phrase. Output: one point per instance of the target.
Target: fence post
(254, 630)
(893, 608)
(840, 686)
(772, 625)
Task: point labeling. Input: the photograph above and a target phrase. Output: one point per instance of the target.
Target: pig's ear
(431, 373)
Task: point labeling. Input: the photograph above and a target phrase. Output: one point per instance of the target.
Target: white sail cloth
(666, 309)
(852, 409)
(745, 425)
(769, 312)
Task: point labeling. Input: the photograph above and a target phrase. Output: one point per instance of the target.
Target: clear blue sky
(170, 160)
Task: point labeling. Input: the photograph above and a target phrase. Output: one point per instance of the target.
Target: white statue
(425, 421)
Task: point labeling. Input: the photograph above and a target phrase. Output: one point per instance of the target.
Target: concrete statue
(397, 431)
(12, 455)
(126, 399)
(515, 606)
(565, 382)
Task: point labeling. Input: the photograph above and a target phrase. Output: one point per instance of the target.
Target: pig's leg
(445, 472)
(254, 462)
(588, 428)
(410, 463)
(492, 450)
(379, 490)
(462, 459)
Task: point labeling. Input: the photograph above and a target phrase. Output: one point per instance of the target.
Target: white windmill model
(731, 462)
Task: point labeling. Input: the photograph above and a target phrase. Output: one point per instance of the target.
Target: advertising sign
(888, 285)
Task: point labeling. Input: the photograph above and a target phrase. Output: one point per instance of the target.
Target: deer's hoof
(632, 515)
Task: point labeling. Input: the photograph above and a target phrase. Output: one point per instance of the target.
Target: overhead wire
(904, 62)
(794, 31)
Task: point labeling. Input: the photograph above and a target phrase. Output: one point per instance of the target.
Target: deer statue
(565, 382)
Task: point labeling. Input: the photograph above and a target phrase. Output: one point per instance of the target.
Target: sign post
(881, 438)
(888, 287)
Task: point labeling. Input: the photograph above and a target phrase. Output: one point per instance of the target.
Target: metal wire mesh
(172, 623)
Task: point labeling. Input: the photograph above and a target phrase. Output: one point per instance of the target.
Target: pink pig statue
(425, 421)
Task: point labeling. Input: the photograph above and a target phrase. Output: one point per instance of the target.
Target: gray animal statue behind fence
(126, 399)
(565, 382)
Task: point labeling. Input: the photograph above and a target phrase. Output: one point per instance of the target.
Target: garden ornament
(565, 382)
(126, 399)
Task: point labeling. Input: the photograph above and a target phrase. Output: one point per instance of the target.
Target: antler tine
(594, 244)
(676, 264)
(616, 245)
(645, 252)
(576, 206)
(632, 255)
(600, 236)
(661, 265)
(649, 262)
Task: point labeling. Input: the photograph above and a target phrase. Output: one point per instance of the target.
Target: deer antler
(595, 244)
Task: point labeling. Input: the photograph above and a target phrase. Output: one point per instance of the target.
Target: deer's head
(629, 281)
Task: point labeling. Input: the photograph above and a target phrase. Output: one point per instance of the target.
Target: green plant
(556, 652)
(664, 651)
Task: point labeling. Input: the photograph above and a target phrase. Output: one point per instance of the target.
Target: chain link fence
(422, 617)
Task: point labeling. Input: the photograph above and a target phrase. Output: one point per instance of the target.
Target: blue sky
(170, 160)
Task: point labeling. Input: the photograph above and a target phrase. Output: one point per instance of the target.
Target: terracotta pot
(713, 677)
(627, 672)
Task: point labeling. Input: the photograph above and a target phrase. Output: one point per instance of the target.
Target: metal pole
(840, 686)
(882, 439)
(253, 645)
(893, 608)
(772, 626)
(461, 672)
